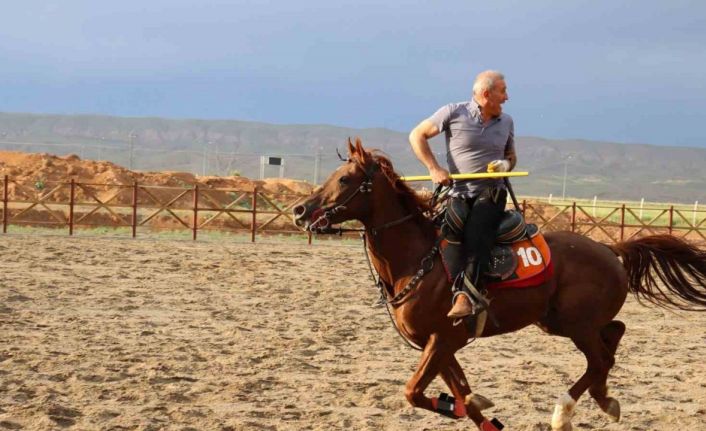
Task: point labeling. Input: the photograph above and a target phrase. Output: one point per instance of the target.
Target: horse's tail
(680, 266)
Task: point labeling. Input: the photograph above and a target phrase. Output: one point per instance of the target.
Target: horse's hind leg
(611, 335)
(596, 352)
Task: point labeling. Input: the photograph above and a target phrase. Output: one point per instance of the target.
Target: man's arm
(419, 140)
(510, 154)
(509, 160)
(511, 157)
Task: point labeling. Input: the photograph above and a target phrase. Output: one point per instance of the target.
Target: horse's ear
(359, 148)
(359, 145)
(351, 149)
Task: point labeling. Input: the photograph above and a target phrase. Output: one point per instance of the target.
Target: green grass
(650, 211)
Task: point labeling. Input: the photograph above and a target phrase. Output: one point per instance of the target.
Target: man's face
(495, 97)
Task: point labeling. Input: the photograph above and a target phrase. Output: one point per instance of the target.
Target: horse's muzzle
(310, 218)
(300, 215)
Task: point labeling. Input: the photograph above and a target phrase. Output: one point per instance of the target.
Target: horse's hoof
(613, 409)
(479, 401)
(563, 412)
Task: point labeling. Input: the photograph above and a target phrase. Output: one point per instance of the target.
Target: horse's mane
(413, 201)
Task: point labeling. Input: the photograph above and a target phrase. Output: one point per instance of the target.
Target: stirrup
(479, 301)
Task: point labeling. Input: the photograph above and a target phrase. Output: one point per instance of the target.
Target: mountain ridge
(593, 168)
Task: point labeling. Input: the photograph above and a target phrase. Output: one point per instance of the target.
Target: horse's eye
(343, 181)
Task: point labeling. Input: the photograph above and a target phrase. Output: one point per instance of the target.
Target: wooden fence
(72, 205)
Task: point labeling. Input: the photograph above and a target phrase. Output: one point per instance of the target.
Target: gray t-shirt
(470, 145)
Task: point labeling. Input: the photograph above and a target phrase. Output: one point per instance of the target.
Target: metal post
(4, 205)
(196, 209)
(573, 217)
(622, 222)
(134, 209)
(253, 227)
(671, 218)
(71, 206)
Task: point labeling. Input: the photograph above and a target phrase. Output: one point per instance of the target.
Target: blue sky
(621, 71)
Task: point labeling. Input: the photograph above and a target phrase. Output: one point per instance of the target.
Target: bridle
(322, 224)
(324, 220)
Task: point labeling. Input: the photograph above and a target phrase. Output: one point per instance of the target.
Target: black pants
(483, 215)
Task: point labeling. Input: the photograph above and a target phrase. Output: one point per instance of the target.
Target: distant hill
(607, 170)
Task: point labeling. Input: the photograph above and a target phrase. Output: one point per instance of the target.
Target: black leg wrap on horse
(446, 406)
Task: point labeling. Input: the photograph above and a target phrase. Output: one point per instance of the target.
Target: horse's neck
(397, 251)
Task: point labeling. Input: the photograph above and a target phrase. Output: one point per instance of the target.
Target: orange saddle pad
(534, 264)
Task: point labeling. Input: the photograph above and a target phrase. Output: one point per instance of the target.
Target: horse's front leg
(455, 379)
(436, 355)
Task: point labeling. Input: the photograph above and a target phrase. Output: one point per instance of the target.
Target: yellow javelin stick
(481, 175)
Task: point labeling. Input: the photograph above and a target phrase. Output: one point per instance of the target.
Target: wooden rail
(197, 209)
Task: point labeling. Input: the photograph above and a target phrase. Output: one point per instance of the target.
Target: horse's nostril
(299, 211)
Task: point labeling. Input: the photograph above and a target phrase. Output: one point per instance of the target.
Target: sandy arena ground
(120, 334)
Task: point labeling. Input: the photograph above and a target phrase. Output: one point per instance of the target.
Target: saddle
(520, 257)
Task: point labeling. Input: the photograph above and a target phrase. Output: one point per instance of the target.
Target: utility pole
(131, 138)
(203, 161)
(563, 189)
(317, 165)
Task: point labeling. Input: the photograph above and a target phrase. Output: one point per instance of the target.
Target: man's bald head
(486, 80)
(490, 92)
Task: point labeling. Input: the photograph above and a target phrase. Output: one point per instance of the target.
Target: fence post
(253, 228)
(622, 222)
(573, 217)
(71, 206)
(671, 218)
(4, 205)
(134, 209)
(196, 210)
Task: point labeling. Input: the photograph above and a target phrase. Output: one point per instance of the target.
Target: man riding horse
(479, 138)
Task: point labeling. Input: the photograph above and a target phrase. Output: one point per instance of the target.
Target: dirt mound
(42, 171)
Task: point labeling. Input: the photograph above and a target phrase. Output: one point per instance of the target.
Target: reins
(380, 284)
(427, 262)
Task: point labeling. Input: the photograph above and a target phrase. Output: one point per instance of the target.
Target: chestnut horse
(580, 301)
